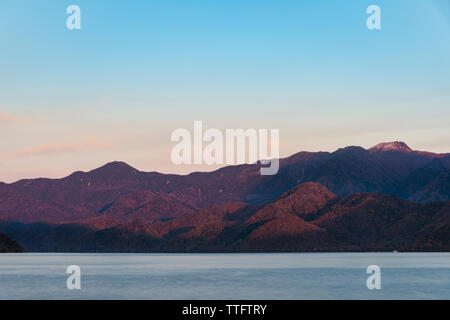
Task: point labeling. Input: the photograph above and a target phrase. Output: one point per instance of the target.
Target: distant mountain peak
(116, 167)
(351, 149)
(118, 164)
(305, 198)
(307, 188)
(392, 146)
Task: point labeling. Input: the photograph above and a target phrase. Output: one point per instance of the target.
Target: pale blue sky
(137, 70)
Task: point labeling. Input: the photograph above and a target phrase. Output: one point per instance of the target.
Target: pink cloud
(6, 117)
(55, 148)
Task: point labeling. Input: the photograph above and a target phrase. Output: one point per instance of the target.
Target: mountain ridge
(117, 207)
(364, 221)
(121, 166)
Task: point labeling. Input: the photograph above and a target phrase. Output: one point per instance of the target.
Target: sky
(137, 70)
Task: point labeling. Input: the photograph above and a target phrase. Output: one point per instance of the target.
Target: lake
(225, 276)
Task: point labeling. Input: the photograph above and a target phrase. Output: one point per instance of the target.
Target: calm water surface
(226, 276)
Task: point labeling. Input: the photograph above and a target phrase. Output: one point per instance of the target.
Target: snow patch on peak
(392, 146)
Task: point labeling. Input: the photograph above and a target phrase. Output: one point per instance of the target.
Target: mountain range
(388, 197)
